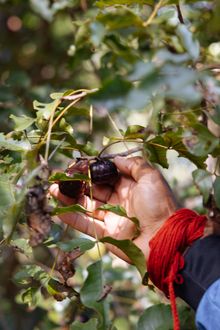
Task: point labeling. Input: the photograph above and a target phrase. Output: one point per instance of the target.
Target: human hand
(141, 190)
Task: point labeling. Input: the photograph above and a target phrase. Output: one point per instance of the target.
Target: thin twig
(122, 154)
(56, 148)
(93, 215)
(90, 119)
(115, 142)
(179, 13)
(153, 14)
(48, 135)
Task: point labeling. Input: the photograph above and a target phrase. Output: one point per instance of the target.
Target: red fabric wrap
(166, 248)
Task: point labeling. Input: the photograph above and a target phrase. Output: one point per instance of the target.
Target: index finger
(135, 167)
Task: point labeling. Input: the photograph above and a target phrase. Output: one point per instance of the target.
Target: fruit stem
(92, 215)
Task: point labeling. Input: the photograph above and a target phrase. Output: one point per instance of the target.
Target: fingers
(85, 201)
(102, 192)
(84, 224)
(135, 167)
(92, 206)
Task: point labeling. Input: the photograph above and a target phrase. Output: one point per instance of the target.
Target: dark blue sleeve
(201, 286)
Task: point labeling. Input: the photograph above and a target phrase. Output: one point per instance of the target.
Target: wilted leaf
(203, 180)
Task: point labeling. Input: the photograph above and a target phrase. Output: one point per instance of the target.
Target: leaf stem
(153, 14)
(92, 215)
(48, 135)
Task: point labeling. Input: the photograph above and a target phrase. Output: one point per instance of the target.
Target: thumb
(135, 167)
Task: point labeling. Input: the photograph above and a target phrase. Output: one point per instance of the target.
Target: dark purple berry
(104, 172)
(74, 188)
(71, 189)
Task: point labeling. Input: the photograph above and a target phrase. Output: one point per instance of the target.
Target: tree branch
(179, 13)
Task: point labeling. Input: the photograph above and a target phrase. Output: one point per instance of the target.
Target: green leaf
(21, 123)
(216, 116)
(121, 19)
(156, 317)
(199, 140)
(14, 145)
(111, 95)
(190, 45)
(217, 191)
(157, 151)
(28, 272)
(108, 3)
(31, 296)
(119, 210)
(180, 83)
(11, 217)
(98, 33)
(141, 70)
(88, 149)
(6, 195)
(83, 244)
(90, 325)
(63, 177)
(76, 208)
(203, 181)
(23, 245)
(44, 110)
(92, 291)
(135, 132)
(174, 141)
(159, 317)
(131, 251)
(55, 96)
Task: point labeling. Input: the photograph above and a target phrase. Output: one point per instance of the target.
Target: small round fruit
(103, 172)
(72, 189)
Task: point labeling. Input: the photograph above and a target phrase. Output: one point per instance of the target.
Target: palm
(141, 190)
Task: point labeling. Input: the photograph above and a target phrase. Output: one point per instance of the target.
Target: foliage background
(157, 74)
